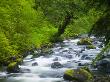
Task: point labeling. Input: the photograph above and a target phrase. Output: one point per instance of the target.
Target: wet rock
(68, 75)
(36, 52)
(103, 61)
(69, 56)
(83, 49)
(87, 58)
(35, 64)
(69, 65)
(83, 57)
(104, 65)
(95, 42)
(25, 70)
(80, 64)
(100, 46)
(78, 54)
(56, 59)
(83, 64)
(28, 57)
(19, 60)
(65, 50)
(90, 47)
(78, 75)
(85, 41)
(13, 67)
(56, 65)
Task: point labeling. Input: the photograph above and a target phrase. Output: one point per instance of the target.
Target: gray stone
(35, 64)
(56, 65)
(55, 59)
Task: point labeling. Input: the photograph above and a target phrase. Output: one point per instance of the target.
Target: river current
(51, 66)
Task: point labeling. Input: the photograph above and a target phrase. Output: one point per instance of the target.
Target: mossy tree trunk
(66, 22)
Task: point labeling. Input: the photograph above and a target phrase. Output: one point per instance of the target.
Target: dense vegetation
(21, 28)
(28, 24)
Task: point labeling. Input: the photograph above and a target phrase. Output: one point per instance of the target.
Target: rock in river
(13, 67)
(78, 75)
(35, 64)
(56, 65)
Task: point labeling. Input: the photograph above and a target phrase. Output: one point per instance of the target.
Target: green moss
(69, 72)
(78, 75)
(86, 74)
(91, 47)
(13, 67)
(85, 41)
(19, 60)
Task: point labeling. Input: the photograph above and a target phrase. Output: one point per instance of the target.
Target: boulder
(78, 75)
(88, 58)
(104, 65)
(83, 64)
(69, 56)
(83, 56)
(103, 62)
(19, 60)
(56, 65)
(35, 64)
(83, 49)
(13, 67)
(90, 47)
(68, 75)
(25, 70)
(56, 59)
(85, 41)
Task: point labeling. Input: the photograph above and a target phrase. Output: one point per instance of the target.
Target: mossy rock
(85, 41)
(69, 72)
(68, 75)
(78, 75)
(87, 69)
(87, 75)
(19, 60)
(91, 47)
(13, 67)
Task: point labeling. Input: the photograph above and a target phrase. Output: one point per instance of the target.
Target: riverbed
(51, 66)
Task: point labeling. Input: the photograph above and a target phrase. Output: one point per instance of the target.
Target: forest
(26, 25)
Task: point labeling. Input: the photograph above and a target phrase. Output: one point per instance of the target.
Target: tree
(102, 25)
(60, 12)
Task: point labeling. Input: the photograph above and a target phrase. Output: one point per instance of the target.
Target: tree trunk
(63, 26)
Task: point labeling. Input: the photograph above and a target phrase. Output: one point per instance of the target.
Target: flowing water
(50, 68)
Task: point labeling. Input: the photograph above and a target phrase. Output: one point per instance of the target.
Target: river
(50, 67)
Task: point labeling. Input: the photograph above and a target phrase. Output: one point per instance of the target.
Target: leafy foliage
(21, 28)
(27, 24)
